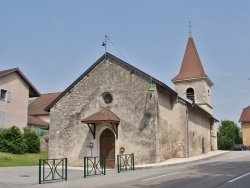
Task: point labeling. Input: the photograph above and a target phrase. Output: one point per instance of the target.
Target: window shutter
(8, 96)
(2, 119)
(1, 94)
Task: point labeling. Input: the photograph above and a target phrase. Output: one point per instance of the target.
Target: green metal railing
(94, 166)
(125, 162)
(52, 170)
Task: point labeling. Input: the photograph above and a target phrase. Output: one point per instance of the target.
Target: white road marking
(239, 177)
(218, 163)
(160, 176)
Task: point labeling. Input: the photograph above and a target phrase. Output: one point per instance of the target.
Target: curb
(180, 163)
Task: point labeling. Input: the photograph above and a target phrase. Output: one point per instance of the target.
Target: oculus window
(107, 97)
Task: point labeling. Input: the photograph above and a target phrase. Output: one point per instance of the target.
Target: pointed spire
(191, 65)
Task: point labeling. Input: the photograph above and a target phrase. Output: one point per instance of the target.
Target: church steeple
(192, 80)
(191, 67)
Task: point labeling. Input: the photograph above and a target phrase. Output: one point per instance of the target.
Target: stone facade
(154, 127)
(202, 92)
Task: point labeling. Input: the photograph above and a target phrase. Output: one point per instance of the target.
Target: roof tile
(191, 65)
(32, 120)
(37, 106)
(104, 115)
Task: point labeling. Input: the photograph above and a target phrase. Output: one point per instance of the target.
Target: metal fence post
(118, 164)
(39, 171)
(84, 167)
(133, 161)
(66, 169)
(104, 158)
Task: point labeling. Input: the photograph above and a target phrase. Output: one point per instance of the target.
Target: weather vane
(190, 27)
(105, 43)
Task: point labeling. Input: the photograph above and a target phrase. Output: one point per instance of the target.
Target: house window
(3, 94)
(2, 119)
(190, 94)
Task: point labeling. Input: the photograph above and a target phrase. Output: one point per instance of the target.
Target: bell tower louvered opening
(190, 94)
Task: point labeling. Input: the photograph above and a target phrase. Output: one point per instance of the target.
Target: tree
(228, 135)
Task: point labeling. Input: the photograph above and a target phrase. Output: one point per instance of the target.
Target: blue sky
(54, 41)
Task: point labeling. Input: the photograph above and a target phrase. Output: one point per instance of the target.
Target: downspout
(187, 135)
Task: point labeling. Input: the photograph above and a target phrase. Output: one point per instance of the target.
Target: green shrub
(228, 135)
(12, 141)
(32, 141)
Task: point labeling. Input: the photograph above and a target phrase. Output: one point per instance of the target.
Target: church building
(114, 108)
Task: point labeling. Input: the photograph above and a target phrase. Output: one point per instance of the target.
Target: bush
(12, 141)
(32, 141)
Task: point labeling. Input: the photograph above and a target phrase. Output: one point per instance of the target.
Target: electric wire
(116, 47)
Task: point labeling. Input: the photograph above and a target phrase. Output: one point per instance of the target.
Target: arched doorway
(107, 147)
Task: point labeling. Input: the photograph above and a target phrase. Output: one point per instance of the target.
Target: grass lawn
(28, 159)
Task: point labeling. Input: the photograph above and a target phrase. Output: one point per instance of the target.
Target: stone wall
(171, 126)
(203, 92)
(44, 143)
(199, 132)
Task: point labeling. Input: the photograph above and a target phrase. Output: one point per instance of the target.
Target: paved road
(225, 171)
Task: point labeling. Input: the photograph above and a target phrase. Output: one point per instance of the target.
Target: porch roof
(104, 115)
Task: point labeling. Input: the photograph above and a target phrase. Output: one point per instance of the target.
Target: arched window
(190, 94)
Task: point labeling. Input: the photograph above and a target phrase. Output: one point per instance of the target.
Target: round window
(107, 97)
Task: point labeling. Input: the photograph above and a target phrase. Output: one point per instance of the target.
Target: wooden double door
(107, 147)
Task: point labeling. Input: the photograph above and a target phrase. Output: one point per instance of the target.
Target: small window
(3, 94)
(190, 94)
(107, 97)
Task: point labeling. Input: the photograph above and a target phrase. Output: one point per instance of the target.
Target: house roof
(245, 115)
(191, 67)
(32, 120)
(33, 92)
(108, 55)
(104, 115)
(37, 106)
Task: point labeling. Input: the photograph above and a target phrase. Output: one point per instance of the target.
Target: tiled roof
(32, 120)
(191, 65)
(104, 115)
(245, 115)
(33, 92)
(37, 106)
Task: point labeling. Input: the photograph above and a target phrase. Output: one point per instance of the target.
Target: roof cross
(190, 27)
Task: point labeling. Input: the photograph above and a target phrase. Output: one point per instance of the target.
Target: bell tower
(192, 81)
